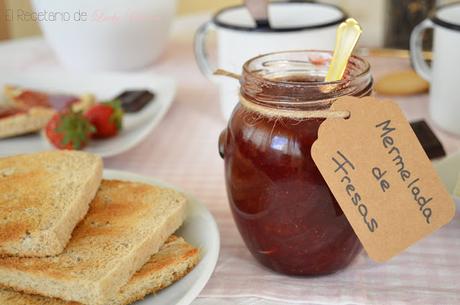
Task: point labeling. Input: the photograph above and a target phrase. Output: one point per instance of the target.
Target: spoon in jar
(259, 12)
(348, 34)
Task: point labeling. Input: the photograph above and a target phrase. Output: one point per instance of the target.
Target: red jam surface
(31, 99)
(6, 112)
(282, 206)
(58, 102)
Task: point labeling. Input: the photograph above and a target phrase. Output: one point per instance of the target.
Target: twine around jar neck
(281, 112)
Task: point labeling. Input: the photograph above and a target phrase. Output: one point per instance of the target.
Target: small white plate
(104, 86)
(200, 230)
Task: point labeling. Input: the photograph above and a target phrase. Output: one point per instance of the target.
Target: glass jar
(284, 210)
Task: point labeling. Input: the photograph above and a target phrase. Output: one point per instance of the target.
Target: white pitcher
(295, 25)
(445, 70)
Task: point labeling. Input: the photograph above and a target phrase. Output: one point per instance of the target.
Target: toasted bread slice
(31, 98)
(126, 224)
(174, 260)
(31, 121)
(37, 109)
(43, 196)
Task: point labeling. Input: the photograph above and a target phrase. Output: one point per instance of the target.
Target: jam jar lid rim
(283, 82)
(242, 28)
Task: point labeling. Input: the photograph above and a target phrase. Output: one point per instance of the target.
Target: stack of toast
(69, 237)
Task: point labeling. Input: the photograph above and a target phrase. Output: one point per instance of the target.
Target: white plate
(200, 230)
(105, 86)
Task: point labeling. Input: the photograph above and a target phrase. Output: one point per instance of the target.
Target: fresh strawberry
(69, 130)
(107, 118)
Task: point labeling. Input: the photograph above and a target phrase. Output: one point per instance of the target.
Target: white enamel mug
(294, 25)
(443, 75)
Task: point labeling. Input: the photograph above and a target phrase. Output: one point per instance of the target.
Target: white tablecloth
(183, 151)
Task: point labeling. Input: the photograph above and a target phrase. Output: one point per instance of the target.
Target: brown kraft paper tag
(380, 176)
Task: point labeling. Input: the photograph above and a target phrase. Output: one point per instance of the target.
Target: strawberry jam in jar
(284, 210)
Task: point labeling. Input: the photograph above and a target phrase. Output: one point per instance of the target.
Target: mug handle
(416, 52)
(201, 54)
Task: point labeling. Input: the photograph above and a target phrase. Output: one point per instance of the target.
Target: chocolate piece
(430, 143)
(135, 100)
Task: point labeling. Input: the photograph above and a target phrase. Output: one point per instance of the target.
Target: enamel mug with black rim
(444, 72)
(295, 25)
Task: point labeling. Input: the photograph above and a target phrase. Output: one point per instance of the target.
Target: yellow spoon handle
(348, 34)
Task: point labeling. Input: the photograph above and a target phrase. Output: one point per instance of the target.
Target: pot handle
(222, 143)
(201, 54)
(416, 52)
